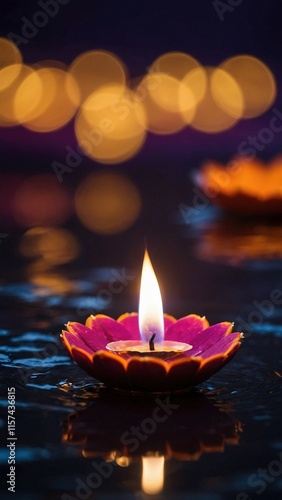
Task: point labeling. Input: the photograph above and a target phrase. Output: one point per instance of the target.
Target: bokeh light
(40, 200)
(170, 102)
(9, 56)
(159, 94)
(107, 203)
(111, 125)
(192, 90)
(47, 281)
(55, 96)
(7, 95)
(54, 246)
(28, 97)
(50, 63)
(175, 64)
(164, 96)
(113, 116)
(256, 82)
(94, 69)
(227, 93)
(46, 248)
(211, 117)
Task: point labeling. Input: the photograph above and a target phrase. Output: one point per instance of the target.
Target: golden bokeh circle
(57, 96)
(10, 55)
(175, 64)
(111, 125)
(7, 95)
(161, 102)
(96, 68)
(210, 117)
(227, 93)
(256, 81)
(107, 203)
(191, 91)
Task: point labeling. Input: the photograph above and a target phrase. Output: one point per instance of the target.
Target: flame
(152, 475)
(150, 316)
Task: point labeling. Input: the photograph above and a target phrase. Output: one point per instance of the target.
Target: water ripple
(19, 349)
(24, 291)
(268, 328)
(265, 384)
(49, 362)
(34, 337)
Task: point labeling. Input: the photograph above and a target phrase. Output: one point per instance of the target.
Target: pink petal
(74, 341)
(130, 322)
(168, 320)
(87, 336)
(110, 329)
(208, 338)
(98, 331)
(214, 363)
(184, 329)
(222, 346)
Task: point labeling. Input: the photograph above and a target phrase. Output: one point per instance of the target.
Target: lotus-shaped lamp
(171, 355)
(245, 187)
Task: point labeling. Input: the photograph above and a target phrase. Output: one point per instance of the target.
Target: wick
(151, 342)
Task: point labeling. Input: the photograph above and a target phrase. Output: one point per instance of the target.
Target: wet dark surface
(223, 440)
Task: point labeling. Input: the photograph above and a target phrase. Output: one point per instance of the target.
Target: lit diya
(172, 355)
(246, 187)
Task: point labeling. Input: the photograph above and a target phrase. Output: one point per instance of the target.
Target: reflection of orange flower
(213, 347)
(247, 187)
(241, 243)
(196, 425)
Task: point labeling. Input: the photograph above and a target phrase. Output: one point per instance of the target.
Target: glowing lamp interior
(150, 316)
